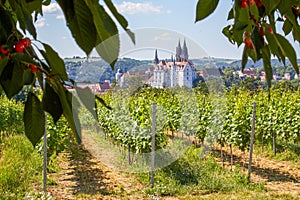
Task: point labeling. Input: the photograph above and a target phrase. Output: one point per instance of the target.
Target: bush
(20, 166)
(11, 116)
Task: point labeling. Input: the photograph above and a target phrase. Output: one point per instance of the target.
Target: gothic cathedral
(177, 71)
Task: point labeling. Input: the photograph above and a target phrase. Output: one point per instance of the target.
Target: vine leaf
(34, 119)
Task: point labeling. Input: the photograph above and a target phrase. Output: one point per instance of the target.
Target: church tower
(156, 60)
(178, 52)
(184, 53)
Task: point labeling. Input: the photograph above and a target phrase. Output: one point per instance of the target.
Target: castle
(178, 71)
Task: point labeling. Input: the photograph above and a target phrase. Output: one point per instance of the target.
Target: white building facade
(179, 71)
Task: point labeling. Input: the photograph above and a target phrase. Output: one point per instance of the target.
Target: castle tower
(184, 53)
(156, 60)
(178, 52)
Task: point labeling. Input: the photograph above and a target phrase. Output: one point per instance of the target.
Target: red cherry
(259, 4)
(261, 30)
(19, 47)
(26, 42)
(247, 41)
(4, 51)
(244, 4)
(252, 2)
(33, 68)
(270, 30)
(251, 46)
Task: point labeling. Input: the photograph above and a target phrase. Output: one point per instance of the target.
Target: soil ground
(82, 175)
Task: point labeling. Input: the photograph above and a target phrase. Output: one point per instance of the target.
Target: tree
(255, 24)
(24, 61)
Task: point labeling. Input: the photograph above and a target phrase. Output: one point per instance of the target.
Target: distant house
(96, 88)
(250, 72)
(104, 87)
(287, 76)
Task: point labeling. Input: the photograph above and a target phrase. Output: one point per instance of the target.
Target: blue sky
(174, 16)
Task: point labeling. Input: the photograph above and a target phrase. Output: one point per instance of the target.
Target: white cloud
(163, 36)
(134, 8)
(40, 23)
(60, 16)
(52, 8)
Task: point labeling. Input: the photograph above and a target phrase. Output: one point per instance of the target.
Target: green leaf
(69, 110)
(230, 14)
(287, 27)
(103, 102)
(270, 5)
(244, 58)
(238, 31)
(88, 99)
(273, 46)
(34, 119)
(288, 51)
(205, 8)
(11, 78)
(122, 21)
(109, 42)
(266, 55)
(28, 77)
(80, 22)
(258, 41)
(46, 2)
(51, 102)
(3, 63)
(57, 65)
(23, 15)
(244, 17)
(227, 31)
(6, 24)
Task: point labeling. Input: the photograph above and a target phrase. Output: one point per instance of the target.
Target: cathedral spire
(178, 52)
(184, 55)
(156, 60)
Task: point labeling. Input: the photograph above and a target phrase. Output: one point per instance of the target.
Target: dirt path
(281, 177)
(83, 176)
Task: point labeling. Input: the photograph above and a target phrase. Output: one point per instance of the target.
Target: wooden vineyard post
(274, 143)
(45, 159)
(252, 140)
(128, 154)
(153, 143)
(231, 157)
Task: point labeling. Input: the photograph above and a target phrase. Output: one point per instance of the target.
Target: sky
(161, 23)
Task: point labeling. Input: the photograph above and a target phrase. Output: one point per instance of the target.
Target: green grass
(284, 152)
(20, 167)
(193, 174)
